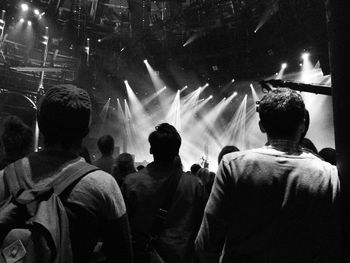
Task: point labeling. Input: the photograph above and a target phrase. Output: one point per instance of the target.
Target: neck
(60, 148)
(289, 145)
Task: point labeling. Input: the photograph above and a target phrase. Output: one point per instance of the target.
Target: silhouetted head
(282, 113)
(106, 144)
(124, 165)
(165, 143)
(329, 155)
(64, 116)
(309, 145)
(17, 138)
(227, 149)
(194, 168)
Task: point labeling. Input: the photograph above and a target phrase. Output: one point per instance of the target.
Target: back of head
(106, 144)
(17, 137)
(281, 112)
(227, 149)
(308, 144)
(329, 155)
(64, 115)
(195, 168)
(124, 165)
(165, 142)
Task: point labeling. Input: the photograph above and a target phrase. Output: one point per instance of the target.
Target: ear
(262, 129)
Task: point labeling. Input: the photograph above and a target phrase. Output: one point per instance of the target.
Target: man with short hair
(276, 203)
(94, 205)
(146, 190)
(106, 146)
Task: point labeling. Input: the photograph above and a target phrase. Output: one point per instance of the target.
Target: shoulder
(101, 190)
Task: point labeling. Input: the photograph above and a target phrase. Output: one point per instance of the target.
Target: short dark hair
(106, 144)
(17, 137)
(329, 155)
(195, 168)
(227, 149)
(165, 142)
(64, 115)
(281, 112)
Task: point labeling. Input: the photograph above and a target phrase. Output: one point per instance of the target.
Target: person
(274, 204)
(329, 155)
(207, 178)
(94, 205)
(145, 191)
(195, 168)
(17, 140)
(227, 149)
(106, 146)
(124, 165)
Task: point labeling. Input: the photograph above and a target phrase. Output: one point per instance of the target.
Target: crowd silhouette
(277, 203)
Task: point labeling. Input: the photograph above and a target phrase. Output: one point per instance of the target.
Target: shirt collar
(284, 145)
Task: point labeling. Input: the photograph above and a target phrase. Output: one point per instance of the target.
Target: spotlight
(164, 87)
(305, 55)
(284, 65)
(36, 12)
(24, 7)
(210, 97)
(21, 20)
(251, 86)
(301, 64)
(233, 80)
(29, 23)
(125, 81)
(99, 40)
(145, 61)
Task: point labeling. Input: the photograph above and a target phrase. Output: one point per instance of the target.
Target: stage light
(210, 97)
(36, 12)
(305, 55)
(301, 64)
(21, 20)
(125, 81)
(233, 80)
(29, 23)
(99, 40)
(165, 87)
(24, 7)
(145, 61)
(284, 65)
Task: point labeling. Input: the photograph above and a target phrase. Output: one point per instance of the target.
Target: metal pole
(338, 30)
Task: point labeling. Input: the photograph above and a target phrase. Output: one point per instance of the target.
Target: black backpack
(33, 222)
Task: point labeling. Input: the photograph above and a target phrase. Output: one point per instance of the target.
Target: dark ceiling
(216, 40)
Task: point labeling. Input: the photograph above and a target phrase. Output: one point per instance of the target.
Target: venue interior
(200, 65)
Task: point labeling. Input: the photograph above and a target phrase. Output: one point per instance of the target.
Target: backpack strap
(16, 176)
(70, 175)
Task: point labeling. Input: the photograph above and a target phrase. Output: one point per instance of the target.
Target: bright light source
(210, 97)
(305, 55)
(21, 20)
(29, 23)
(36, 12)
(164, 87)
(284, 65)
(233, 80)
(251, 86)
(24, 7)
(145, 61)
(301, 64)
(125, 81)
(99, 40)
